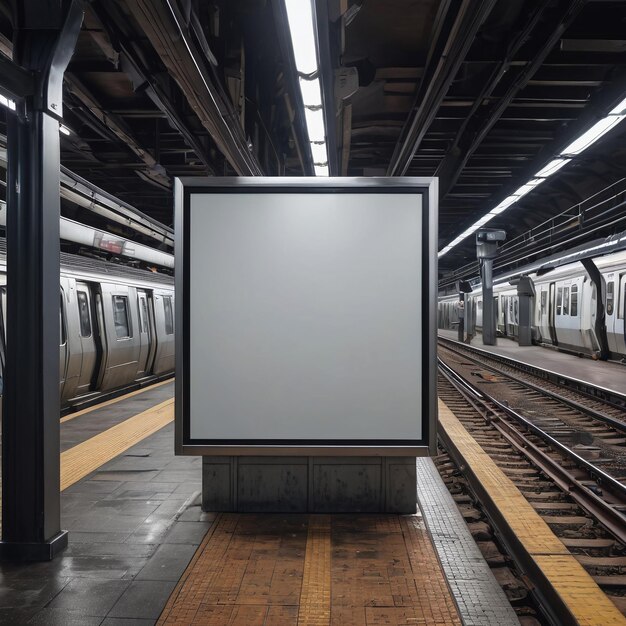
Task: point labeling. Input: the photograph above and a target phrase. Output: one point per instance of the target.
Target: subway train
(116, 327)
(565, 311)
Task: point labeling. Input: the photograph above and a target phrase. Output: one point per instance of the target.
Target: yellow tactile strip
(314, 609)
(586, 601)
(283, 570)
(101, 405)
(86, 457)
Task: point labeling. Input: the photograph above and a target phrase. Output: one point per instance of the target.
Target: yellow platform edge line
(88, 456)
(100, 405)
(577, 589)
(314, 604)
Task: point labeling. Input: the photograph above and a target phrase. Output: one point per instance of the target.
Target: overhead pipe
(166, 28)
(103, 241)
(81, 192)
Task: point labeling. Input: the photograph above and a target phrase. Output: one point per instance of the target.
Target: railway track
(592, 428)
(607, 401)
(582, 504)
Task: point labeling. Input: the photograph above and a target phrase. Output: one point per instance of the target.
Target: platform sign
(306, 316)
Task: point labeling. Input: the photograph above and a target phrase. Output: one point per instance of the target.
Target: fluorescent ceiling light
(505, 204)
(300, 17)
(320, 155)
(482, 221)
(552, 167)
(65, 130)
(589, 137)
(527, 188)
(321, 170)
(9, 104)
(311, 92)
(303, 41)
(315, 124)
(620, 109)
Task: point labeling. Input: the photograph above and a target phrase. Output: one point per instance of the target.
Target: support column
(525, 294)
(464, 288)
(487, 241)
(489, 318)
(31, 528)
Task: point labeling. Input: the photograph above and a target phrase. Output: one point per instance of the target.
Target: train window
(573, 309)
(609, 297)
(544, 300)
(566, 301)
(622, 305)
(120, 317)
(83, 313)
(559, 300)
(169, 315)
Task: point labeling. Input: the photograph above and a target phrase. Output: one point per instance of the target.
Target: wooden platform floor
(313, 570)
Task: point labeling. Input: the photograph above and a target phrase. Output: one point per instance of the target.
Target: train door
(104, 341)
(87, 335)
(610, 312)
(620, 323)
(63, 352)
(144, 333)
(552, 314)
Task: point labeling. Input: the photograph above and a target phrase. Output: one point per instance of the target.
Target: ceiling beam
(154, 170)
(476, 127)
(131, 62)
(433, 89)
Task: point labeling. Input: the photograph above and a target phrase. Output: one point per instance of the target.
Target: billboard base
(307, 484)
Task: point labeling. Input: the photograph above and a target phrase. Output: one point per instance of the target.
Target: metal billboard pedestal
(307, 484)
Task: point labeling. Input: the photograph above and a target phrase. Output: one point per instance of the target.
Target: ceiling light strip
(303, 42)
(584, 141)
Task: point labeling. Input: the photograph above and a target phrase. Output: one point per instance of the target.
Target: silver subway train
(565, 308)
(116, 326)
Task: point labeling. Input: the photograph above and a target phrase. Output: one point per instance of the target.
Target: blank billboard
(304, 317)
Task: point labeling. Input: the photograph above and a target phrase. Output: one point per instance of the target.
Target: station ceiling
(481, 93)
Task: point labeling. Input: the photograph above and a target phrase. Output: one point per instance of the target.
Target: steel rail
(611, 397)
(601, 417)
(611, 518)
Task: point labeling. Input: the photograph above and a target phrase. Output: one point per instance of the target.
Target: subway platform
(143, 552)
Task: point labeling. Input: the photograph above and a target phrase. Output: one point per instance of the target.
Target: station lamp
(300, 16)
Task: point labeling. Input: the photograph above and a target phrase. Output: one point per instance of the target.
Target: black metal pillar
(525, 294)
(31, 529)
(487, 242)
(489, 317)
(464, 289)
(600, 323)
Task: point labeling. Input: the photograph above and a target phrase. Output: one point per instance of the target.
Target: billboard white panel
(304, 318)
